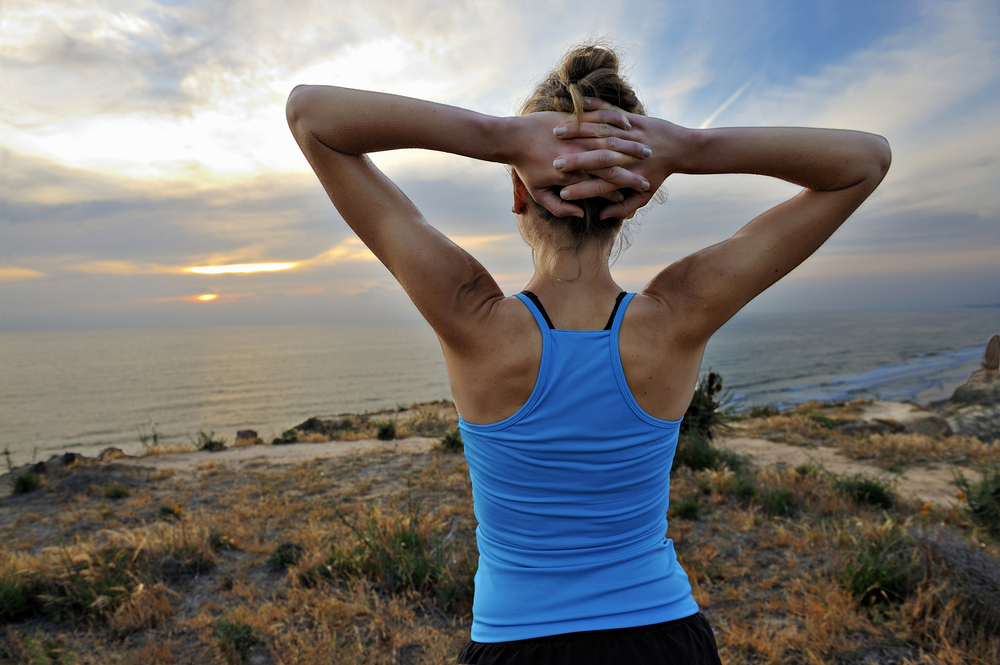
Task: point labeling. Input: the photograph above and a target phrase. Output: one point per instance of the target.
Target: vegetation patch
(879, 562)
(982, 499)
(26, 481)
(235, 638)
(867, 491)
(451, 442)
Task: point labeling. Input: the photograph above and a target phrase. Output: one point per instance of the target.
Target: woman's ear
(520, 195)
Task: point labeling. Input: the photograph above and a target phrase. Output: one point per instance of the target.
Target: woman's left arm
(336, 127)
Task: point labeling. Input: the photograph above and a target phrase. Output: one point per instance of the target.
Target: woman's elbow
(881, 155)
(296, 108)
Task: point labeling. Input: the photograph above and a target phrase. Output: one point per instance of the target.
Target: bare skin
(491, 344)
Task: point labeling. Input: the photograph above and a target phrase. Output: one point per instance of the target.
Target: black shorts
(687, 641)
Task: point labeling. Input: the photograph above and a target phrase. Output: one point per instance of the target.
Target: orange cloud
(14, 274)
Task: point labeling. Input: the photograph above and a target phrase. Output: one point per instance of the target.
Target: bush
(880, 563)
(983, 499)
(285, 555)
(16, 600)
(709, 408)
(687, 509)
(807, 470)
(824, 421)
(235, 639)
(26, 482)
(742, 486)
(386, 431)
(452, 441)
(697, 453)
(868, 491)
(115, 491)
(763, 411)
(209, 442)
(778, 503)
(402, 551)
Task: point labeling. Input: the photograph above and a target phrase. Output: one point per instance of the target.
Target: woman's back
(571, 496)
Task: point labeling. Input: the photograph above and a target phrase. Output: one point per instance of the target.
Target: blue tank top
(571, 498)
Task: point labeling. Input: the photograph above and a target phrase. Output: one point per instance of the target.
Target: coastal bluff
(974, 407)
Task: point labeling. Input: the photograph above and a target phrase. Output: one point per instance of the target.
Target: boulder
(891, 417)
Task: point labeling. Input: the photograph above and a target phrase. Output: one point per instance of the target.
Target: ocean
(83, 391)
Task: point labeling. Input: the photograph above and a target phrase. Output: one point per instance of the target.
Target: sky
(148, 177)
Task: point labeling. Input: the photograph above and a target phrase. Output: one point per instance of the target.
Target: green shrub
(778, 502)
(115, 491)
(687, 508)
(808, 470)
(742, 486)
(763, 411)
(452, 441)
(983, 499)
(824, 421)
(285, 555)
(402, 551)
(209, 442)
(235, 639)
(386, 431)
(93, 585)
(879, 564)
(868, 491)
(709, 408)
(695, 452)
(16, 600)
(26, 482)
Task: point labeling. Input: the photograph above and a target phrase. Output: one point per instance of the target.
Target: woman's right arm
(336, 127)
(838, 170)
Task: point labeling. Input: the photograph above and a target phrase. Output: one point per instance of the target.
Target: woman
(571, 393)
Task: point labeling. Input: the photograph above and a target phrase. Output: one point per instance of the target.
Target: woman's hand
(599, 134)
(536, 150)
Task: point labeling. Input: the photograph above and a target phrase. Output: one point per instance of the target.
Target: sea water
(85, 390)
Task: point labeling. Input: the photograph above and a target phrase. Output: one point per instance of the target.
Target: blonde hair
(589, 70)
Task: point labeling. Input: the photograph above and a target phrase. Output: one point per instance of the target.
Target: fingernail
(628, 125)
(621, 197)
(559, 131)
(559, 163)
(645, 186)
(564, 193)
(646, 152)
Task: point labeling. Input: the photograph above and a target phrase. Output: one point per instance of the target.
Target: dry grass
(897, 451)
(769, 554)
(815, 424)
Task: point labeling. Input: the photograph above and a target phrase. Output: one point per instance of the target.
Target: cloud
(16, 274)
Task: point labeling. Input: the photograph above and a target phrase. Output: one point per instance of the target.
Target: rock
(111, 453)
(870, 427)
(247, 437)
(893, 417)
(991, 358)
(974, 408)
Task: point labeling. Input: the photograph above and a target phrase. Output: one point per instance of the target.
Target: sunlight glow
(207, 296)
(241, 268)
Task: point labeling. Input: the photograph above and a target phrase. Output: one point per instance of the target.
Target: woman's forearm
(356, 122)
(817, 159)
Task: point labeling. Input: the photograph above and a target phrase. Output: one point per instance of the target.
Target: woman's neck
(574, 283)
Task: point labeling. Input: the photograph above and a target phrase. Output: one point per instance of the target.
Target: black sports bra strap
(618, 302)
(538, 304)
